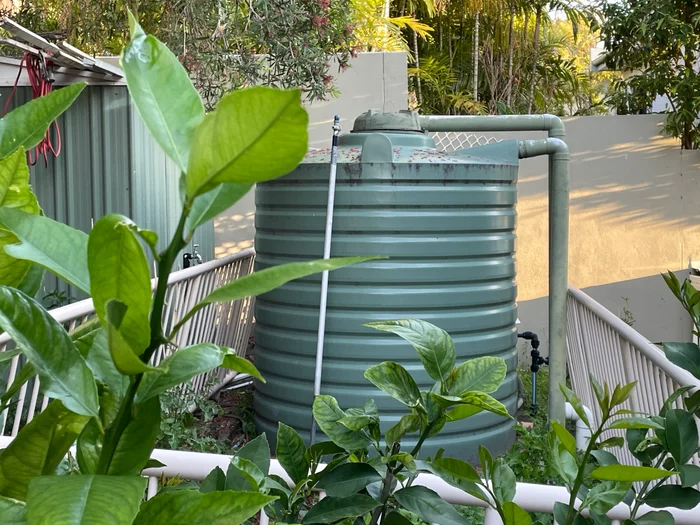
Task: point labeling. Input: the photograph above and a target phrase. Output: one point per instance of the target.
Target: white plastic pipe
(583, 433)
(318, 372)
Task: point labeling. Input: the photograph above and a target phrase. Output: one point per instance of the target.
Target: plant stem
(579, 476)
(640, 500)
(384, 497)
(114, 432)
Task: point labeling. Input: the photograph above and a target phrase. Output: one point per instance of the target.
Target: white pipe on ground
(583, 433)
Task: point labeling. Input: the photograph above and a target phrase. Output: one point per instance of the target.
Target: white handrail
(641, 343)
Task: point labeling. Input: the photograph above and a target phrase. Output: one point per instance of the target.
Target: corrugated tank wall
(109, 163)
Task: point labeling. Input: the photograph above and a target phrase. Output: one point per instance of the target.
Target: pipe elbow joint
(554, 126)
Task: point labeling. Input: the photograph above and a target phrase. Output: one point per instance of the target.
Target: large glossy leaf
(192, 507)
(604, 496)
(689, 474)
(78, 500)
(348, 479)
(215, 480)
(434, 346)
(31, 284)
(407, 424)
(629, 473)
(576, 403)
(48, 347)
(482, 374)
(138, 440)
(248, 125)
(119, 270)
(59, 248)
(636, 422)
(659, 517)
(681, 435)
(291, 453)
(514, 515)
(395, 380)
(187, 363)
(123, 355)
(429, 506)
(15, 193)
(684, 498)
(12, 512)
(89, 447)
(473, 402)
(163, 93)
(564, 437)
(330, 509)
(685, 355)
(503, 480)
(328, 414)
(268, 279)
(26, 125)
(459, 474)
(246, 468)
(257, 451)
(38, 448)
(214, 202)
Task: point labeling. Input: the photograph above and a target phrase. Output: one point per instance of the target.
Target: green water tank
(447, 224)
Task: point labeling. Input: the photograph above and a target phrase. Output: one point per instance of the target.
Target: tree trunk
(476, 56)
(511, 45)
(535, 53)
(419, 90)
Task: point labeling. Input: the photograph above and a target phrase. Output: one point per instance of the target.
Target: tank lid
(375, 120)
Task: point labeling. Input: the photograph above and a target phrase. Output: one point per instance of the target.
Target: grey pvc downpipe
(558, 153)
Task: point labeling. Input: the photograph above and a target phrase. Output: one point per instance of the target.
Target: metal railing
(601, 345)
(225, 324)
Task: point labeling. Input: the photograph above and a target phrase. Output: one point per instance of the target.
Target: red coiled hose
(42, 85)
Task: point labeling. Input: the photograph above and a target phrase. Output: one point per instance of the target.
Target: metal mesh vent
(452, 141)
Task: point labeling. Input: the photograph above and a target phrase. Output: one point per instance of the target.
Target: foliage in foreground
(104, 390)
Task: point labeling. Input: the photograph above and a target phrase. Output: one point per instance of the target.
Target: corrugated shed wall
(109, 163)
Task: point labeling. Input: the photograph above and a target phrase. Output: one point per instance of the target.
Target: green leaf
(325, 448)
(330, 509)
(659, 517)
(486, 461)
(328, 415)
(26, 125)
(503, 481)
(59, 248)
(31, 284)
(477, 400)
(613, 442)
(26, 373)
(564, 437)
(228, 148)
(193, 507)
(74, 500)
(668, 404)
(215, 480)
(38, 448)
(681, 435)
(395, 380)
(604, 458)
(635, 422)
(407, 424)
(348, 479)
(561, 512)
(435, 347)
(563, 462)
(123, 356)
(604, 496)
(396, 518)
(456, 472)
(629, 473)
(622, 393)
(257, 451)
(689, 474)
(291, 453)
(214, 202)
(186, 363)
(575, 402)
(429, 506)
(48, 347)
(163, 94)
(268, 279)
(685, 355)
(12, 512)
(89, 447)
(16, 193)
(246, 468)
(483, 374)
(406, 460)
(138, 440)
(119, 270)
(684, 498)
(514, 515)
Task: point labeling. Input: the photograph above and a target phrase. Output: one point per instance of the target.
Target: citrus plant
(104, 389)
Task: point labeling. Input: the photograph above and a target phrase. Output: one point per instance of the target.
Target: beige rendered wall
(375, 81)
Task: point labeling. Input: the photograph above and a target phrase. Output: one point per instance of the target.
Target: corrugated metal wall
(109, 163)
